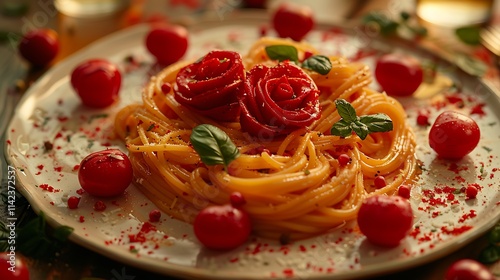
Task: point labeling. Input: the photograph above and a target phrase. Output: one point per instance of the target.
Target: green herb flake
(97, 116)
(486, 149)
(213, 145)
(307, 172)
(151, 126)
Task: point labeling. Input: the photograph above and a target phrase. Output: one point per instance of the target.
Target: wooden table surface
(76, 262)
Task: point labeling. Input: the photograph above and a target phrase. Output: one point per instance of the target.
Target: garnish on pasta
(297, 178)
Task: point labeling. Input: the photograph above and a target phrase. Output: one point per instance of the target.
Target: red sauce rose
(278, 100)
(211, 85)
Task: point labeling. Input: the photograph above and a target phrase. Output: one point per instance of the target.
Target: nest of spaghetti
(279, 114)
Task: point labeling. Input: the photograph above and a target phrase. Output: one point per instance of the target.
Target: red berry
(166, 88)
(97, 82)
(471, 191)
(222, 227)
(454, 135)
(398, 74)
(293, 21)
(39, 47)
(99, 206)
(423, 119)
(73, 202)
(385, 220)
(468, 269)
(379, 182)
(404, 191)
(105, 173)
(237, 199)
(167, 43)
(154, 215)
(344, 159)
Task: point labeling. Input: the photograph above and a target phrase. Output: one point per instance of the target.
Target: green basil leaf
(213, 145)
(341, 128)
(386, 25)
(377, 122)
(360, 129)
(494, 235)
(282, 52)
(318, 63)
(62, 233)
(490, 254)
(469, 35)
(346, 111)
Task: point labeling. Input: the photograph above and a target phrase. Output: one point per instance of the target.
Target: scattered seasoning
(99, 206)
(97, 116)
(151, 126)
(487, 149)
(81, 219)
(47, 146)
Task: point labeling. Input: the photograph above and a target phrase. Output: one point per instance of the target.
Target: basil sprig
(317, 63)
(213, 145)
(362, 125)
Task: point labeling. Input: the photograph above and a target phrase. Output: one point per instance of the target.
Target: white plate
(51, 105)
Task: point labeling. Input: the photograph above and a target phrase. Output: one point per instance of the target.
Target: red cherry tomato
(293, 21)
(97, 82)
(222, 227)
(398, 74)
(39, 47)
(454, 135)
(12, 267)
(105, 173)
(468, 269)
(385, 220)
(167, 43)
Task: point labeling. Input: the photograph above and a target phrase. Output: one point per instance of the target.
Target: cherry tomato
(12, 267)
(385, 220)
(398, 74)
(105, 173)
(39, 47)
(222, 227)
(453, 135)
(167, 43)
(97, 82)
(293, 21)
(468, 269)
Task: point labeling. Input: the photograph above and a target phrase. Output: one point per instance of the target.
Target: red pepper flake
(99, 206)
(478, 110)
(234, 260)
(466, 216)
(141, 235)
(263, 30)
(9, 142)
(40, 166)
(58, 168)
(76, 167)
(455, 99)
(423, 118)
(58, 135)
(455, 231)
(302, 248)
(62, 118)
(80, 191)
(52, 203)
(288, 272)
(81, 219)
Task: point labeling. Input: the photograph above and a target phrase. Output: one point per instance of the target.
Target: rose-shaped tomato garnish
(211, 86)
(278, 100)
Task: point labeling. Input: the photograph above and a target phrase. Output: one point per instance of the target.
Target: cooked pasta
(294, 185)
